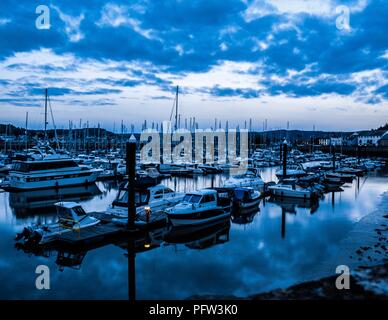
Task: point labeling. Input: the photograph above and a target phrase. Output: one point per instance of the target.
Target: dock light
(147, 245)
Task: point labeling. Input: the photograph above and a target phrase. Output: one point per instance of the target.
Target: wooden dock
(90, 234)
(108, 229)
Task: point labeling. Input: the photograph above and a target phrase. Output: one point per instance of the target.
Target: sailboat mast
(45, 113)
(26, 130)
(176, 108)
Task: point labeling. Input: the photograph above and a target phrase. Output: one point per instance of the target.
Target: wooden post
(333, 151)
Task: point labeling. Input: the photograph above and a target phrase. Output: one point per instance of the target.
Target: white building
(370, 137)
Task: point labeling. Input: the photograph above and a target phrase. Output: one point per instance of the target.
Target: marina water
(283, 243)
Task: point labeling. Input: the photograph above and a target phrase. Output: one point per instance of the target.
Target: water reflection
(132, 244)
(279, 245)
(289, 205)
(201, 236)
(244, 216)
(41, 202)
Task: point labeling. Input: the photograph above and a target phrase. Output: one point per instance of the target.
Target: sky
(318, 63)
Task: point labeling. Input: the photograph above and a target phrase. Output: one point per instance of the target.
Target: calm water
(272, 248)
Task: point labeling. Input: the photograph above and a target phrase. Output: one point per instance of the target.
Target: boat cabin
(241, 194)
(32, 166)
(143, 196)
(208, 197)
(70, 213)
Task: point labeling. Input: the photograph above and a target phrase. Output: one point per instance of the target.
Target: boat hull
(292, 193)
(53, 181)
(197, 218)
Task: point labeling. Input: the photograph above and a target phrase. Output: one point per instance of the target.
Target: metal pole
(284, 159)
(26, 130)
(176, 108)
(45, 114)
(131, 166)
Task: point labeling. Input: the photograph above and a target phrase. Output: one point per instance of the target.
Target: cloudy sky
(293, 60)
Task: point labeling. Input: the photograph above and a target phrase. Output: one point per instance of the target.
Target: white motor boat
(200, 207)
(292, 191)
(151, 199)
(72, 218)
(250, 179)
(50, 173)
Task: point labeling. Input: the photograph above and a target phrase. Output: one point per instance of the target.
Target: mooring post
(131, 167)
(283, 233)
(284, 159)
(358, 153)
(333, 152)
(131, 172)
(281, 154)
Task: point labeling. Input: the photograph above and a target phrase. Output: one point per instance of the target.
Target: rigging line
(173, 108)
(52, 118)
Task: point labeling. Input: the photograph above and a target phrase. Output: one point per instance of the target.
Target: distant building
(367, 138)
(330, 141)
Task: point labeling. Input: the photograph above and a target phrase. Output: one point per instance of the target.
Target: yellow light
(147, 245)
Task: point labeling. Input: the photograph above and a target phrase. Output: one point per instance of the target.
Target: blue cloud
(193, 36)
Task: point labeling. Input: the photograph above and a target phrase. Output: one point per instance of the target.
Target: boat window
(44, 165)
(122, 196)
(208, 198)
(79, 211)
(64, 213)
(158, 194)
(140, 197)
(192, 198)
(187, 197)
(167, 190)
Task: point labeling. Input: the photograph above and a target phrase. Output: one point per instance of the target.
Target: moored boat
(72, 218)
(200, 207)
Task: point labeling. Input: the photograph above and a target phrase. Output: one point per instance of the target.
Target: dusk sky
(107, 61)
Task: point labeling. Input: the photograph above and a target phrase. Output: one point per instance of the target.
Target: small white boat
(250, 179)
(200, 207)
(292, 191)
(71, 218)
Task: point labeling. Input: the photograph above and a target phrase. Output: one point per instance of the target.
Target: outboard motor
(36, 236)
(26, 234)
